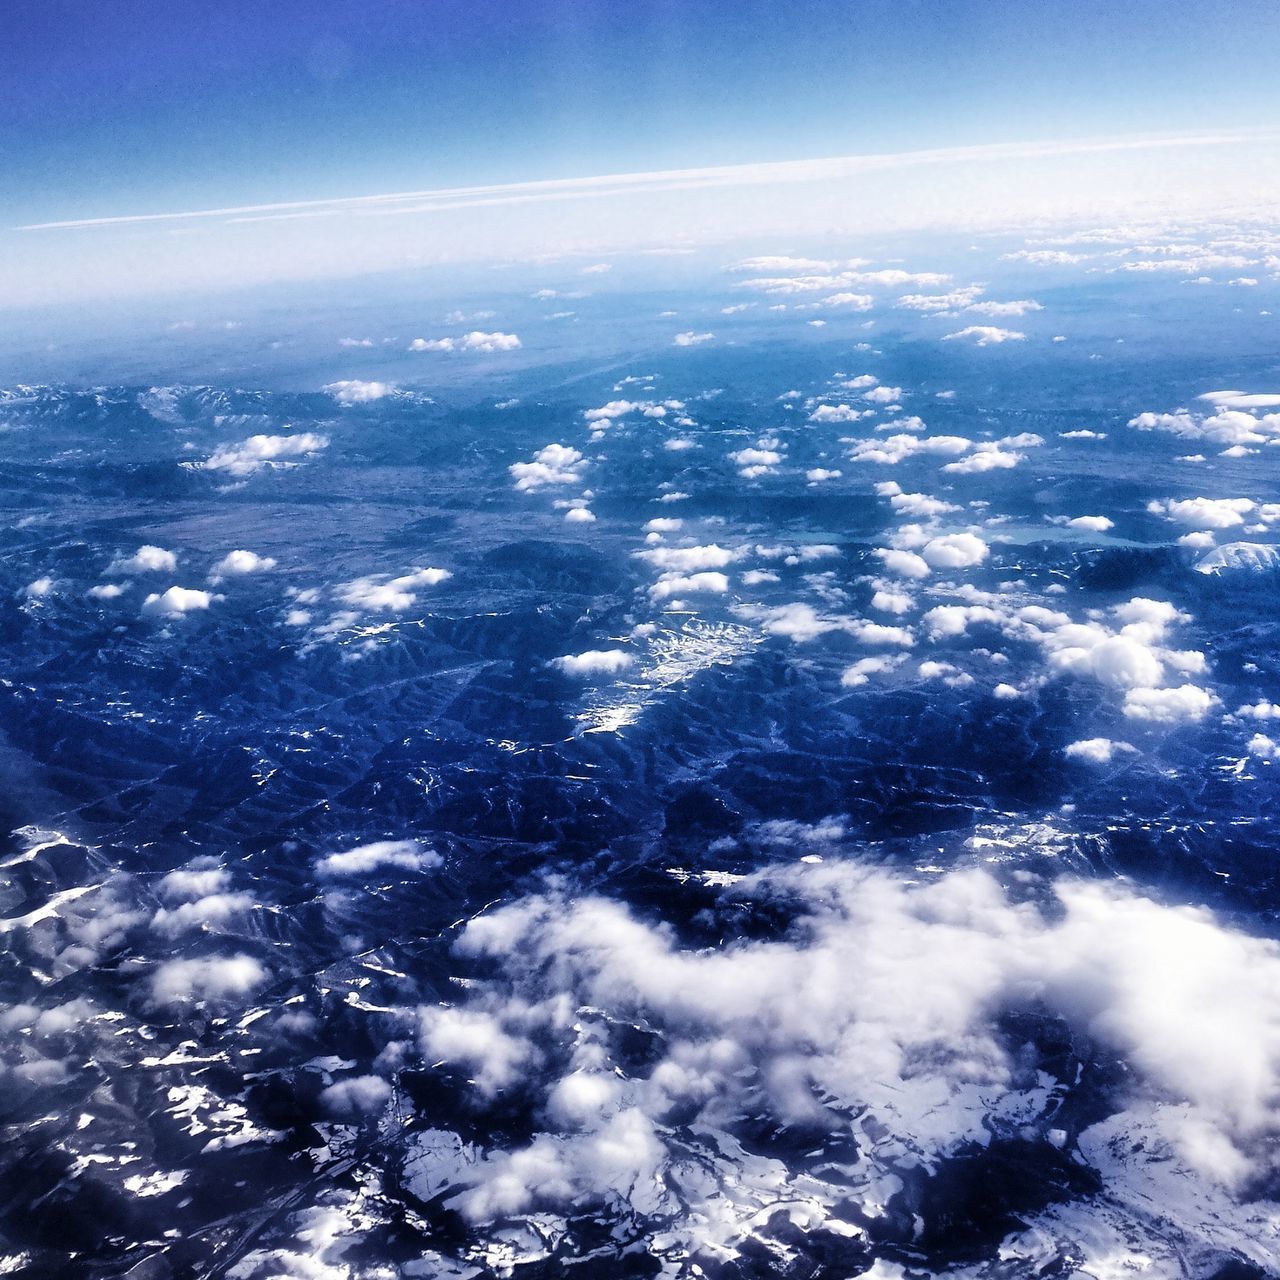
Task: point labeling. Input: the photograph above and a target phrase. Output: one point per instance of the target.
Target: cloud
(354, 392)
(555, 464)
(1046, 257)
(1242, 399)
(1229, 426)
(1188, 702)
(400, 855)
(840, 282)
(954, 551)
(885, 998)
(985, 335)
(839, 413)
(1095, 750)
(907, 564)
(675, 584)
(781, 263)
(614, 409)
(848, 301)
(755, 461)
(800, 622)
(691, 339)
(875, 633)
(984, 458)
(476, 1040)
(860, 672)
(936, 303)
(594, 662)
(175, 602)
(883, 395)
(213, 909)
(1264, 709)
(147, 559)
(1019, 307)
(686, 559)
(356, 1096)
(625, 186)
(476, 340)
(239, 563)
(200, 878)
(212, 979)
(1092, 524)
(889, 450)
(1204, 513)
(919, 506)
(390, 595)
(257, 452)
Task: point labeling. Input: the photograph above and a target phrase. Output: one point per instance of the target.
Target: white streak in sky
(764, 174)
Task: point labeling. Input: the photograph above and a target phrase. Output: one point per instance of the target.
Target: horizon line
(761, 172)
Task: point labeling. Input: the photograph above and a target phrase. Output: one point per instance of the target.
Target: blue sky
(134, 105)
(139, 106)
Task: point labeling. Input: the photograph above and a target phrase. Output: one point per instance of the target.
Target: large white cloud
(595, 662)
(1226, 427)
(1168, 706)
(689, 559)
(353, 391)
(240, 563)
(893, 449)
(257, 452)
(954, 551)
(390, 595)
(176, 601)
(399, 855)
(883, 1000)
(213, 978)
(1204, 513)
(147, 559)
(984, 458)
(678, 584)
(554, 464)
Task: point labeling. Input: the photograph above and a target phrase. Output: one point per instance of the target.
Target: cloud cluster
(882, 1001)
(554, 464)
(1214, 513)
(1132, 654)
(476, 340)
(1229, 427)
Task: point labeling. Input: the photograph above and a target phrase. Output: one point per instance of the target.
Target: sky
(143, 108)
